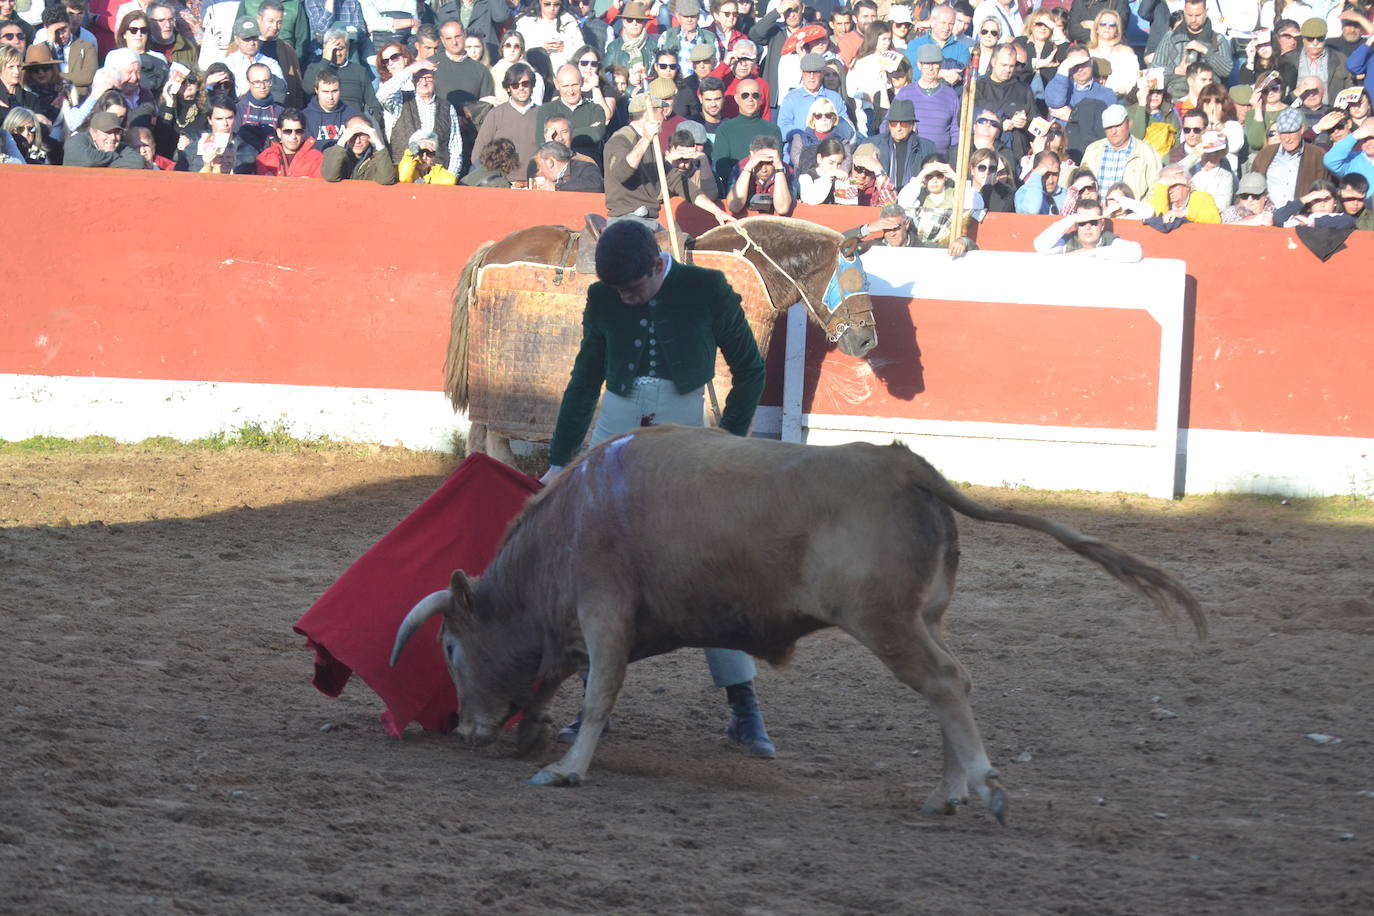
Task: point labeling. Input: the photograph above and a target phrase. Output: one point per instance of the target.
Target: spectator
(1055, 141)
(559, 170)
(987, 37)
(1354, 191)
(217, 19)
(512, 53)
(496, 160)
(132, 34)
(728, 27)
(868, 73)
(246, 51)
(24, 141)
(10, 21)
(164, 41)
(1311, 96)
(1210, 172)
(392, 58)
(12, 91)
(1084, 233)
(102, 146)
(703, 61)
(685, 37)
(427, 44)
(590, 68)
(485, 18)
(762, 183)
(558, 128)
(1292, 163)
(1198, 77)
(1121, 204)
(935, 102)
(1075, 84)
(587, 119)
(551, 28)
(769, 35)
(1358, 61)
(1173, 198)
(632, 184)
(1045, 53)
(1252, 206)
(292, 26)
(1041, 193)
(711, 109)
(1317, 209)
(848, 40)
(360, 155)
(1268, 103)
(634, 45)
(327, 112)
(77, 57)
(734, 135)
(475, 47)
(809, 39)
(1001, 92)
(1083, 16)
(899, 151)
(1261, 59)
(1189, 150)
(987, 130)
(821, 121)
(216, 150)
(355, 83)
(141, 141)
(42, 79)
(1193, 41)
(1219, 109)
(458, 79)
(1317, 60)
(990, 174)
(515, 120)
(828, 182)
(1353, 154)
(739, 65)
(1120, 156)
(1156, 120)
(1083, 186)
(1108, 43)
(411, 102)
(256, 113)
(293, 153)
(903, 26)
(929, 198)
(954, 49)
(872, 185)
(895, 228)
(690, 172)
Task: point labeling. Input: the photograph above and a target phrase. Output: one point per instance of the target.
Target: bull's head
(482, 707)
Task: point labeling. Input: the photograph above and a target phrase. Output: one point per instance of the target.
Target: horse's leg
(498, 447)
(477, 438)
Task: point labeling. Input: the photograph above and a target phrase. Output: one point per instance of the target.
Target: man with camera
(762, 183)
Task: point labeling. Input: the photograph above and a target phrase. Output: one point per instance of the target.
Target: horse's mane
(800, 248)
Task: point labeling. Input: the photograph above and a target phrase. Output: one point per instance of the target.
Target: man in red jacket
(292, 154)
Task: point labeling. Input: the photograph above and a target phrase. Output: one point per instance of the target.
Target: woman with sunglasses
(990, 174)
(133, 34)
(1083, 14)
(1042, 41)
(822, 121)
(988, 37)
(181, 111)
(513, 52)
(1266, 103)
(634, 45)
(596, 80)
(392, 58)
(1108, 43)
(24, 140)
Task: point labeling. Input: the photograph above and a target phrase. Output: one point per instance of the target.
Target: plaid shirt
(1114, 164)
(346, 13)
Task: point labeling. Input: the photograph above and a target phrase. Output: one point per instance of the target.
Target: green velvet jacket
(695, 312)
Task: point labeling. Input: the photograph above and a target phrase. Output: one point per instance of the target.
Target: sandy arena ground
(164, 752)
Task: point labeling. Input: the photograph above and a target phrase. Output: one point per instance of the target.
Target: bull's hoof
(550, 778)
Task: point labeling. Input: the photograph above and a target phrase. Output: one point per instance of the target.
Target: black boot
(746, 722)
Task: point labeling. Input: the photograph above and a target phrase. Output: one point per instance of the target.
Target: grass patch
(251, 436)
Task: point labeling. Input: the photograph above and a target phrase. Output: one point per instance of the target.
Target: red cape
(353, 624)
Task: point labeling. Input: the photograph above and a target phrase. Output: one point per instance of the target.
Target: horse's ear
(850, 246)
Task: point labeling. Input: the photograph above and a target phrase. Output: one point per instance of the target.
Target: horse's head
(848, 310)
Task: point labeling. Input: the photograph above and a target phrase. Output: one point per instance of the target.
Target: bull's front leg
(607, 640)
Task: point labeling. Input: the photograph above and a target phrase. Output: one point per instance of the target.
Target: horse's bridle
(847, 281)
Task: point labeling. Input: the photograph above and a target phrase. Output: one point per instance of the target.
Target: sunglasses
(1314, 39)
(522, 84)
(511, 47)
(745, 60)
(1249, 196)
(749, 95)
(981, 168)
(393, 58)
(989, 121)
(131, 30)
(667, 66)
(824, 116)
(863, 171)
(1192, 130)
(995, 33)
(594, 64)
(15, 36)
(290, 131)
(1092, 222)
(1041, 25)
(727, 15)
(1107, 24)
(1085, 187)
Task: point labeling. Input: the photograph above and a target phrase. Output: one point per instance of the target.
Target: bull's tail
(1164, 590)
(456, 362)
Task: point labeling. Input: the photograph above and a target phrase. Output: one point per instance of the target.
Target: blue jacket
(1030, 198)
(958, 50)
(1345, 157)
(1063, 91)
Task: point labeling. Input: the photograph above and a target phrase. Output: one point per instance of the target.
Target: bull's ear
(464, 604)
(848, 247)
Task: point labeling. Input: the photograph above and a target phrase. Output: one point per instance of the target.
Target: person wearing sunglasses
(634, 45)
(1074, 83)
(1083, 14)
(1314, 58)
(1252, 206)
(796, 105)
(512, 51)
(516, 119)
(1084, 233)
(1353, 154)
(1354, 189)
(292, 153)
(735, 133)
(1175, 201)
(1108, 43)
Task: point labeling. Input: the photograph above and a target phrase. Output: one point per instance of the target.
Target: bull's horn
(431, 604)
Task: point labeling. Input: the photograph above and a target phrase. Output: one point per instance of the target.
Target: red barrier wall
(309, 283)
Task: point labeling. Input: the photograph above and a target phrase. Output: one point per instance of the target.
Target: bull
(669, 537)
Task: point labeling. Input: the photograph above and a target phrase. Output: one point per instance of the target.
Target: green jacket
(695, 313)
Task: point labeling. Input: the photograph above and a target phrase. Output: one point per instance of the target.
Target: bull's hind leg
(605, 629)
(906, 645)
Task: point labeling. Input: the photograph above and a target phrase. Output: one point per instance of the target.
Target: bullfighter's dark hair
(625, 253)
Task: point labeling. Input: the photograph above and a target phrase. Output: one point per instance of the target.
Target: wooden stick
(961, 168)
(673, 240)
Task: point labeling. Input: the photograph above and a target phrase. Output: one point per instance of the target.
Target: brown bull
(670, 537)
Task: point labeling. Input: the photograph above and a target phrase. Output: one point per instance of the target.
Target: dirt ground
(163, 750)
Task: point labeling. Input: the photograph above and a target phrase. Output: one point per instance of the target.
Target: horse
(795, 259)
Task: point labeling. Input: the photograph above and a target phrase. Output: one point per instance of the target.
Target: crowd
(1096, 111)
